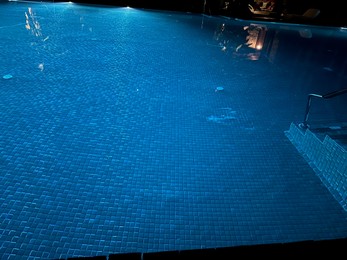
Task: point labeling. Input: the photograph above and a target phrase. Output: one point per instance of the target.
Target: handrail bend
(336, 93)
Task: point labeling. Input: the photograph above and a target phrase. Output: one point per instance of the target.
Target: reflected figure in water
(248, 42)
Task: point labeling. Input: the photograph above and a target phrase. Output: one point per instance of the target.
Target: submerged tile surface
(115, 141)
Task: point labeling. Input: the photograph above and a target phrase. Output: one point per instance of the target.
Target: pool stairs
(325, 150)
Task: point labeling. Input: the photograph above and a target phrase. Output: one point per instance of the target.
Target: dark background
(332, 11)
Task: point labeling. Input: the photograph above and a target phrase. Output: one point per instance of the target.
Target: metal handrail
(326, 96)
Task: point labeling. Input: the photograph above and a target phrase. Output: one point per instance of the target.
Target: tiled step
(328, 157)
(335, 132)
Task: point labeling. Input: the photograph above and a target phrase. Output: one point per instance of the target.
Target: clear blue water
(130, 130)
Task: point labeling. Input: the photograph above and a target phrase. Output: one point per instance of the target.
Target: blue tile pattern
(114, 139)
(327, 157)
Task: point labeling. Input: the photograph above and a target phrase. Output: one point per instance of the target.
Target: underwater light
(7, 76)
(219, 89)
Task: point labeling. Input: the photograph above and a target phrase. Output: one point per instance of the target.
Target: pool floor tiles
(98, 182)
(90, 213)
(151, 150)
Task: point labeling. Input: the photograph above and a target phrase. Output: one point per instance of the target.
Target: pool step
(338, 133)
(326, 155)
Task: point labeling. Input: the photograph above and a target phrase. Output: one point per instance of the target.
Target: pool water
(133, 130)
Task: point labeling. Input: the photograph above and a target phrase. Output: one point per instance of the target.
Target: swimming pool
(131, 130)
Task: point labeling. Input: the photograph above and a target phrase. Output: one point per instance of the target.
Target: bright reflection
(34, 27)
(251, 42)
(256, 36)
(41, 66)
(31, 24)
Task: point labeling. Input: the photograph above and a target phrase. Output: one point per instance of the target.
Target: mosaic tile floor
(109, 148)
